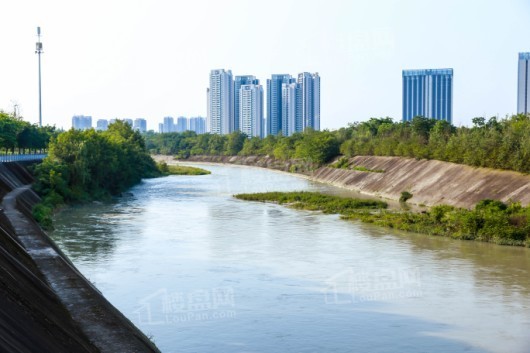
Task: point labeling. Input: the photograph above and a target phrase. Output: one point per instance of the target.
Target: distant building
(308, 109)
(274, 102)
(198, 124)
(169, 125)
(238, 82)
(221, 102)
(112, 121)
(251, 110)
(523, 89)
(102, 124)
(290, 100)
(161, 128)
(140, 125)
(428, 93)
(182, 124)
(208, 125)
(128, 122)
(293, 105)
(81, 122)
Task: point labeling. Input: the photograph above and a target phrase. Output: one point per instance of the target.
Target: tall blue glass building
(274, 102)
(428, 93)
(523, 91)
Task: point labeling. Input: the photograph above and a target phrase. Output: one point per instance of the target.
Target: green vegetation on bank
(495, 143)
(166, 169)
(89, 165)
(17, 135)
(344, 163)
(314, 201)
(315, 146)
(490, 221)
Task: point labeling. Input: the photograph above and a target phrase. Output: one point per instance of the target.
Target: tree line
(494, 143)
(316, 146)
(20, 136)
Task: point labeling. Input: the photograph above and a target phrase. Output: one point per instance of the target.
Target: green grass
(364, 169)
(314, 201)
(490, 221)
(344, 163)
(166, 169)
(185, 170)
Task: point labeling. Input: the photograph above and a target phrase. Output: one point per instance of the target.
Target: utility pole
(38, 51)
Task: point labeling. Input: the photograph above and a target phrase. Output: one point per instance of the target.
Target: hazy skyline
(150, 59)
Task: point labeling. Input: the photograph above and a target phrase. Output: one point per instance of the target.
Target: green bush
(489, 221)
(89, 165)
(405, 196)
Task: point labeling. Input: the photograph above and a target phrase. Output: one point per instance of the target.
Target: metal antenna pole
(38, 51)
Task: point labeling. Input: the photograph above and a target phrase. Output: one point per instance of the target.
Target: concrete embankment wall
(431, 182)
(46, 305)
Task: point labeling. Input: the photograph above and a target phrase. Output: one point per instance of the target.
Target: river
(199, 271)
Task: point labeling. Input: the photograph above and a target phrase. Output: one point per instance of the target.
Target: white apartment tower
(251, 110)
(220, 102)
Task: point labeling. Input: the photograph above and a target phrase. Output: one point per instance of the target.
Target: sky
(151, 59)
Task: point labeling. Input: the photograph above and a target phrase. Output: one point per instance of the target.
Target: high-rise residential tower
(182, 124)
(251, 110)
(274, 102)
(428, 93)
(140, 125)
(238, 82)
(290, 101)
(198, 124)
(221, 102)
(102, 124)
(523, 84)
(309, 104)
(81, 122)
(168, 125)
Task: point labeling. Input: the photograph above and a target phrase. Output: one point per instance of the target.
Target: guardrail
(21, 157)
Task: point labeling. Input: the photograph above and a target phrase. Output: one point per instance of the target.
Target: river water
(199, 271)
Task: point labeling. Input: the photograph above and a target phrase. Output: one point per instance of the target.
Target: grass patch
(364, 169)
(490, 221)
(344, 163)
(181, 170)
(314, 201)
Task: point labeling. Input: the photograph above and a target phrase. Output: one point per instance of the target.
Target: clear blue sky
(151, 59)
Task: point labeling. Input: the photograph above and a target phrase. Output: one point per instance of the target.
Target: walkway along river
(199, 271)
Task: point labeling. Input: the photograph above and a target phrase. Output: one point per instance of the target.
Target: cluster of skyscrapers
(197, 124)
(84, 122)
(293, 103)
(237, 104)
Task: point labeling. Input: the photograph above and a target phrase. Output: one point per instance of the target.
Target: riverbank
(490, 221)
(430, 182)
(46, 304)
